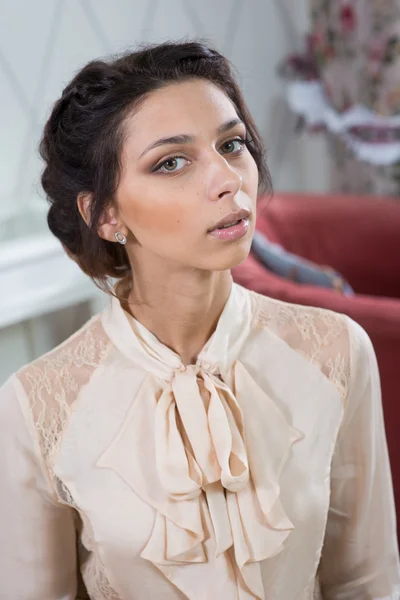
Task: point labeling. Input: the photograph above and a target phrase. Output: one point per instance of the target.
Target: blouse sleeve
(37, 550)
(360, 557)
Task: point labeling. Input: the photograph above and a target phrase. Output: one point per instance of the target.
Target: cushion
(300, 270)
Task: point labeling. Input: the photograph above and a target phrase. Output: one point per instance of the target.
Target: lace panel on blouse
(320, 335)
(52, 385)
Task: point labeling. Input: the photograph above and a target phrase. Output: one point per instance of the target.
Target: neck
(180, 307)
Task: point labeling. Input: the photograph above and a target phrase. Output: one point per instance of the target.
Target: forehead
(191, 107)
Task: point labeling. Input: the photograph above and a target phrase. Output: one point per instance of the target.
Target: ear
(108, 224)
(84, 202)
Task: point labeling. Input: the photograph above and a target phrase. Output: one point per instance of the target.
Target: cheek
(156, 215)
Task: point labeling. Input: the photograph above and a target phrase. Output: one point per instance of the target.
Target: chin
(231, 256)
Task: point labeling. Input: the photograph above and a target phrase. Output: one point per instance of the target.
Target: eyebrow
(188, 139)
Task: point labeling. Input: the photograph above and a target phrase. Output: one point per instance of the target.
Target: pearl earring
(121, 238)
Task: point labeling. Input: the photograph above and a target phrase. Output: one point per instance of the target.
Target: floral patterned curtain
(352, 70)
(357, 48)
(356, 44)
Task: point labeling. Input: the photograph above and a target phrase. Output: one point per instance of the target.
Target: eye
(171, 165)
(233, 146)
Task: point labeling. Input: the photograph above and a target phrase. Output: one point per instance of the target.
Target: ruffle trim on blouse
(213, 480)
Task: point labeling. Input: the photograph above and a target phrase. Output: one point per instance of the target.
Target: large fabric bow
(208, 459)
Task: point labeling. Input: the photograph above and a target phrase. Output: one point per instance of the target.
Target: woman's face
(185, 167)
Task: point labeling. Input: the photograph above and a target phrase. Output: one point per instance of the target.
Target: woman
(195, 440)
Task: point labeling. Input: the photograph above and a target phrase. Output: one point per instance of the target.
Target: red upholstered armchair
(360, 238)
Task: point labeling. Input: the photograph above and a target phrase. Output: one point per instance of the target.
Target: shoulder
(298, 324)
(321, 336)
(79, 354)
(52, 383)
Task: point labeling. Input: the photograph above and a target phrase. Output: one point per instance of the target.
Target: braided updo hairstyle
(83, 137)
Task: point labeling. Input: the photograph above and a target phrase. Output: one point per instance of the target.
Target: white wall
(42, 44)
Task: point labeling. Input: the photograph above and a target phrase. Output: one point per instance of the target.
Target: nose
(222, 180)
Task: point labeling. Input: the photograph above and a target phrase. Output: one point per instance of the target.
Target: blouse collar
(138, 344)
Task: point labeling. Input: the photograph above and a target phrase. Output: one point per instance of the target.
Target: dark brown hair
(83, 137)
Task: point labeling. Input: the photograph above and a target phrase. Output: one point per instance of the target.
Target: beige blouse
(261, 472)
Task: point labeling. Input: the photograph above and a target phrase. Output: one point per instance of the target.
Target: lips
(231, 228)
(232, 219)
